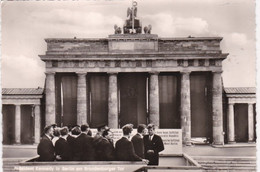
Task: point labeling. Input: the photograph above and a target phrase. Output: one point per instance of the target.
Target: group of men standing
(79, 145)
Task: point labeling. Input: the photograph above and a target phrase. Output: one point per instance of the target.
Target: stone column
(231, 123)
(217, 108)
(37, 124)
(250, 123)
(82, 99)
(185, 108)
(18, 124)
(50, 98)
(112, 101)
(154, 99)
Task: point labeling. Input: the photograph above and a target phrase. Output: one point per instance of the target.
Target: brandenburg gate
(135, 77)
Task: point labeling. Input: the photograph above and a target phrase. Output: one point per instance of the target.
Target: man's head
(108, 134)
(54, 125)
(127, 129)
(84, 127)
(64, 131)
(48, 130)
(102, 128)
(141, 129)
(76, 130)
(131, 126)
(151, 129)
(56, 132)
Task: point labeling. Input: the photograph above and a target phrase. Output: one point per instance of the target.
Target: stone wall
(77, 45)
(189, 44)
(115, 44)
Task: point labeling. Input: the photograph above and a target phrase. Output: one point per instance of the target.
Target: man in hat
(153, 144)
(45, 148)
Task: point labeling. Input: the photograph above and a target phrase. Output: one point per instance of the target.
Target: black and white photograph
(129, 85)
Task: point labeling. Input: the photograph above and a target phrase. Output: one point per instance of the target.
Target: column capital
(154, 73)
(232, 104)
(250, 103)
(112, 73)
(217, 72)
(81, 73)
(185, 72)
(17, 104)
(50, 73)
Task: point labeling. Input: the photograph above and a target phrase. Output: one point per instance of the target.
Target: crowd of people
(78, 144)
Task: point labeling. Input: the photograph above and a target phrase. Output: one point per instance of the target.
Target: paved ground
(197, 150)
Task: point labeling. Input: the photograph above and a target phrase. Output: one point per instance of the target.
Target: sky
(25, 25)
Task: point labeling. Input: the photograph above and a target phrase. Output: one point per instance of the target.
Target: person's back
(84, 145)
(105, 150)
(138, 144)
(124, 148)
(75, 151)
(137, 140)
(84, 148)
(45, 148)
(62, 147)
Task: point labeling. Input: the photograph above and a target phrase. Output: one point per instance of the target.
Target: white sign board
(172, 139)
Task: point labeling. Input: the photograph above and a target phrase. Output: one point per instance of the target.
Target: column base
(17, 144)
(188, 143)
(231, 142)
(251, 141)
(217, 144)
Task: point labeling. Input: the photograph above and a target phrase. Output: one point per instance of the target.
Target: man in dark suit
(75, 132)
(153, 144)
(105, 150)
(84, 145)
(124, 148)
(62, 147)
(138, 142)
(45, 148)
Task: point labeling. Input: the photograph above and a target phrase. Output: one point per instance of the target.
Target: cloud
(191, 25)
(165, 24)
(66, 22)
(22, 72)
(240, 65)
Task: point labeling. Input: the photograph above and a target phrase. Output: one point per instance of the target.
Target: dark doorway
(27, 124)
(201, 104)
(169, 98)
(98, 99)
(8, 124)
(133, 96)
(241, 122)
(66, 99)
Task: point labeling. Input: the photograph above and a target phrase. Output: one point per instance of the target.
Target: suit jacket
(83, 148)
(156, 144)
(71, 142)
(62, 148)
(46, 149)
(138, 143)
(105, 150)
(125, 150)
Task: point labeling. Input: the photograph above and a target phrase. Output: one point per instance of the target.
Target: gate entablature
(134, 52)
